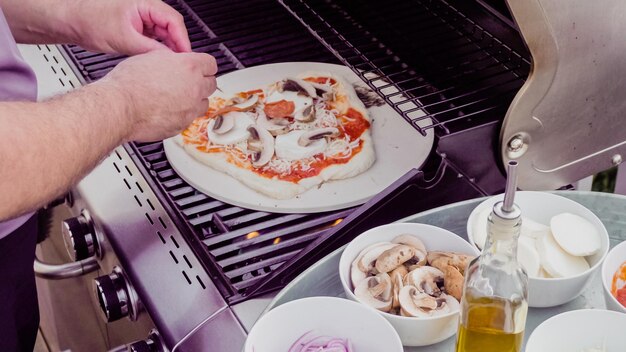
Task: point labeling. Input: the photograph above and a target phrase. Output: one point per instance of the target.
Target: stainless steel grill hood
(567, 121)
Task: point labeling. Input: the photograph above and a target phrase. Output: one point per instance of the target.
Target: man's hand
(165, 91)
(51, 145)
(112, 26)
(128, 26)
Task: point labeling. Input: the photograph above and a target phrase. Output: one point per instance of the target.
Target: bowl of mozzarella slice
(561, 246)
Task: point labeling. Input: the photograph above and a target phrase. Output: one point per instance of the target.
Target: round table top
(322, 279)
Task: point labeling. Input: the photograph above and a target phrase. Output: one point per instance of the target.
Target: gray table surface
(322, 279)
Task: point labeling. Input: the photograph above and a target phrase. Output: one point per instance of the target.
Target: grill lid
(566, 121)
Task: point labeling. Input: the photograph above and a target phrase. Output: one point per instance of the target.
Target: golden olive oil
(491, 324)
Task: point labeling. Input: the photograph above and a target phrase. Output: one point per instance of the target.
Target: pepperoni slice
(279, 109)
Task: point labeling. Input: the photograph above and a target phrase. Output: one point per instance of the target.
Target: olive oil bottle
(495, 295)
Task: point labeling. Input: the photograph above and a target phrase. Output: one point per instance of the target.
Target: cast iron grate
(442, 66)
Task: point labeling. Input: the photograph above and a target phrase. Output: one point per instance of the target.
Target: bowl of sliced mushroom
(412, 274)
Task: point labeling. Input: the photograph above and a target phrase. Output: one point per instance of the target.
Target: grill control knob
(151, 344)
(79, 237)
(116, 297)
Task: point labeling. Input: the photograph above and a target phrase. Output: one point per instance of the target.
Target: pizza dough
(318, 131)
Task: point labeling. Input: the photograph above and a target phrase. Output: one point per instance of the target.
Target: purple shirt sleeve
(17, 82)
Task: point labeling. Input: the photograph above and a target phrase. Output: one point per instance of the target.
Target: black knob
(112, 292)
(151, 344)
(79, 237)
(140, 346)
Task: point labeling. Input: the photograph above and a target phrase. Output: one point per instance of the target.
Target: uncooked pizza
(286, 138)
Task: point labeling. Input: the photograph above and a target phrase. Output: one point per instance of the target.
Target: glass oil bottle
(494, 302)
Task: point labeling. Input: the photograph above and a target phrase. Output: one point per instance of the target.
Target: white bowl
(412, 331)
(541, 207)
(330, 316)
(579, 330)
(613, 261)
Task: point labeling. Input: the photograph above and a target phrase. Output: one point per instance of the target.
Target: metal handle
(64, 271)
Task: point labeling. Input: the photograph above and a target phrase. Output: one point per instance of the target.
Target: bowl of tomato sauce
(614, 278)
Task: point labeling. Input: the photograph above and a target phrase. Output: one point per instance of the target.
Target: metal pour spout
(511, 187)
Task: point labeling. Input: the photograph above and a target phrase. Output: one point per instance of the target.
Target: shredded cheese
(280, 166)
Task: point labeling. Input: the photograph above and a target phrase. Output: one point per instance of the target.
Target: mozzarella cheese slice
(528, 256)
(238, 133)
(301, 102)
(575, 234)
(533, 229)
(556, 261)
(287, 147)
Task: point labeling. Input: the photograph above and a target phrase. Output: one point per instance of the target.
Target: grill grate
(424, 57)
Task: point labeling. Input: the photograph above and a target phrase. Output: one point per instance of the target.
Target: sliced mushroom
(416, 304)
(261, 143)
(394, 257)
(239, 132)
(323, 90)
(453, 282)
(305, 115)
(247, 104)
(368, 261)
(419, 259)
(223, 124)
(426, 279)
(298, 85)
(311, 136)
(410, 240)
(274, 126)
(397, 277)
(441, 260)
(375, 291)
(356, 274)
(446, 304)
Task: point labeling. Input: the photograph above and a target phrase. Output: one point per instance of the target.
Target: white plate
(580, 330)
(399, 148)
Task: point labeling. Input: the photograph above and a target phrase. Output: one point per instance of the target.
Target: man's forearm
(47, 147)
(42, 21)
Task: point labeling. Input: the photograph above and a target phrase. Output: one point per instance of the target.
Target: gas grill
(201, 269)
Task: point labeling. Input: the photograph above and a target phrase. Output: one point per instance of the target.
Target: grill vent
(160, 227)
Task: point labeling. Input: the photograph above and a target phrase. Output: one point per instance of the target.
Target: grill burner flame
(277, 240)
(253, 234)
(337, 222)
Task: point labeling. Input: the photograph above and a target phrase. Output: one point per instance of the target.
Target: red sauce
(355, 124)
(321, 80)
(247, 94)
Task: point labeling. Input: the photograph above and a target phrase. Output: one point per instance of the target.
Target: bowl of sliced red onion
(322, 324)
